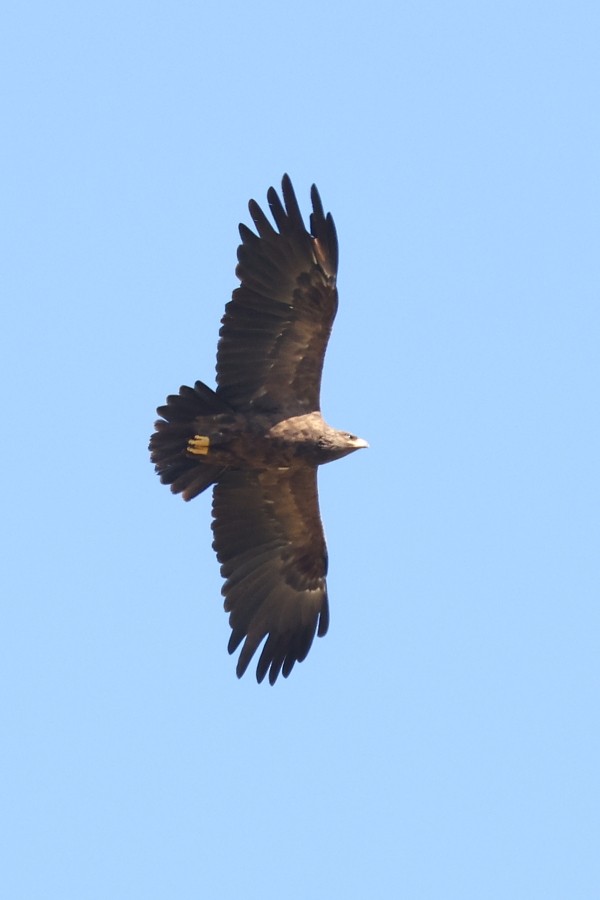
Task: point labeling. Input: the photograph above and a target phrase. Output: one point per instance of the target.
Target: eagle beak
(360, 444)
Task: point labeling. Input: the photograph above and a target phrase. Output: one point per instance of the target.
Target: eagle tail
(170, 445)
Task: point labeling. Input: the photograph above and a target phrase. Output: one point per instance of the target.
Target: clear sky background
(442, 742)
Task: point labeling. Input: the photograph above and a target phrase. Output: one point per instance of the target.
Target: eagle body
(260, 442)
(260, 436)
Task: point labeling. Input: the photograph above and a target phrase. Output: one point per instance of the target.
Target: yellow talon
(198, 445)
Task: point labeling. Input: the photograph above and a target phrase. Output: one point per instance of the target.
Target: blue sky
(442, 741)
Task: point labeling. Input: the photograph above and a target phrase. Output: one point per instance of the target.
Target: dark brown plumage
(260, 436)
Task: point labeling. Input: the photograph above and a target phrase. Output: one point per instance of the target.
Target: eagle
(260, 436)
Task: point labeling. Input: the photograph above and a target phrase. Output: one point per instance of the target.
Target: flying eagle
(260, 436)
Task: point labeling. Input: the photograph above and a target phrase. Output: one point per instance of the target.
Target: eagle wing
(269, 540)
(275, 328)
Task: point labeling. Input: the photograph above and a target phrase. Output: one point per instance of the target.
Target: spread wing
(276, 326)
(269, 541)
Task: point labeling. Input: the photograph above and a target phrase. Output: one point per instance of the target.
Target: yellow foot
(198, 445)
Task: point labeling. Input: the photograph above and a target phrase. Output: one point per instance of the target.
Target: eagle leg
(198, 445)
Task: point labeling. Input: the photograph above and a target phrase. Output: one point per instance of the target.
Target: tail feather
(168, 445)
(191, 402)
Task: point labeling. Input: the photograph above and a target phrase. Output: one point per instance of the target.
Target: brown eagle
(260, 436)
